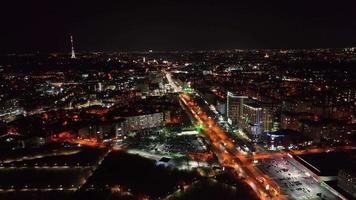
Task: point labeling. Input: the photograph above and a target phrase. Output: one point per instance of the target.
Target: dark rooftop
(329, 164)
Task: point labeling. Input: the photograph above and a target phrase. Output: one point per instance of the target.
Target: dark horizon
(172, 25)
(165, 51)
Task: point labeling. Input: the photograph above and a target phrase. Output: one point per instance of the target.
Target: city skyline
(178, 100)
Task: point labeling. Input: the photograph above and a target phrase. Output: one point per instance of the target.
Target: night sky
(128, 25)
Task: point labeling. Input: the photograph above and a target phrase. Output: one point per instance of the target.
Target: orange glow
(173, 120)
(224, 148)
(71, 138)
(201, 156)
(116, 189)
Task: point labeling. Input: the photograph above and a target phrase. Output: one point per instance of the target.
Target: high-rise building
(257, 118)
(234, 107)
(72, 45)
(251, 119)
(267, 120)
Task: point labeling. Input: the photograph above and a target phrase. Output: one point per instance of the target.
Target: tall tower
(73, 53)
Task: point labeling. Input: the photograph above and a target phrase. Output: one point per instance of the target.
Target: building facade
(140, 122)
(251, 120)
(234, 107)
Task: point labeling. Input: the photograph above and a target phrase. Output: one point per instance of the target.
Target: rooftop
(329, 164)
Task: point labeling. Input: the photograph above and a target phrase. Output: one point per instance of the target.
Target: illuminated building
(99, 87)
(234, 107)
(267, 120)
(140, 122)
(251, 119)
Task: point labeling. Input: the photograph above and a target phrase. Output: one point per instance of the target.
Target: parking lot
(293, 180)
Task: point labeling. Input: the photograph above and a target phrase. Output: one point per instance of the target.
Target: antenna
(73, 53)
